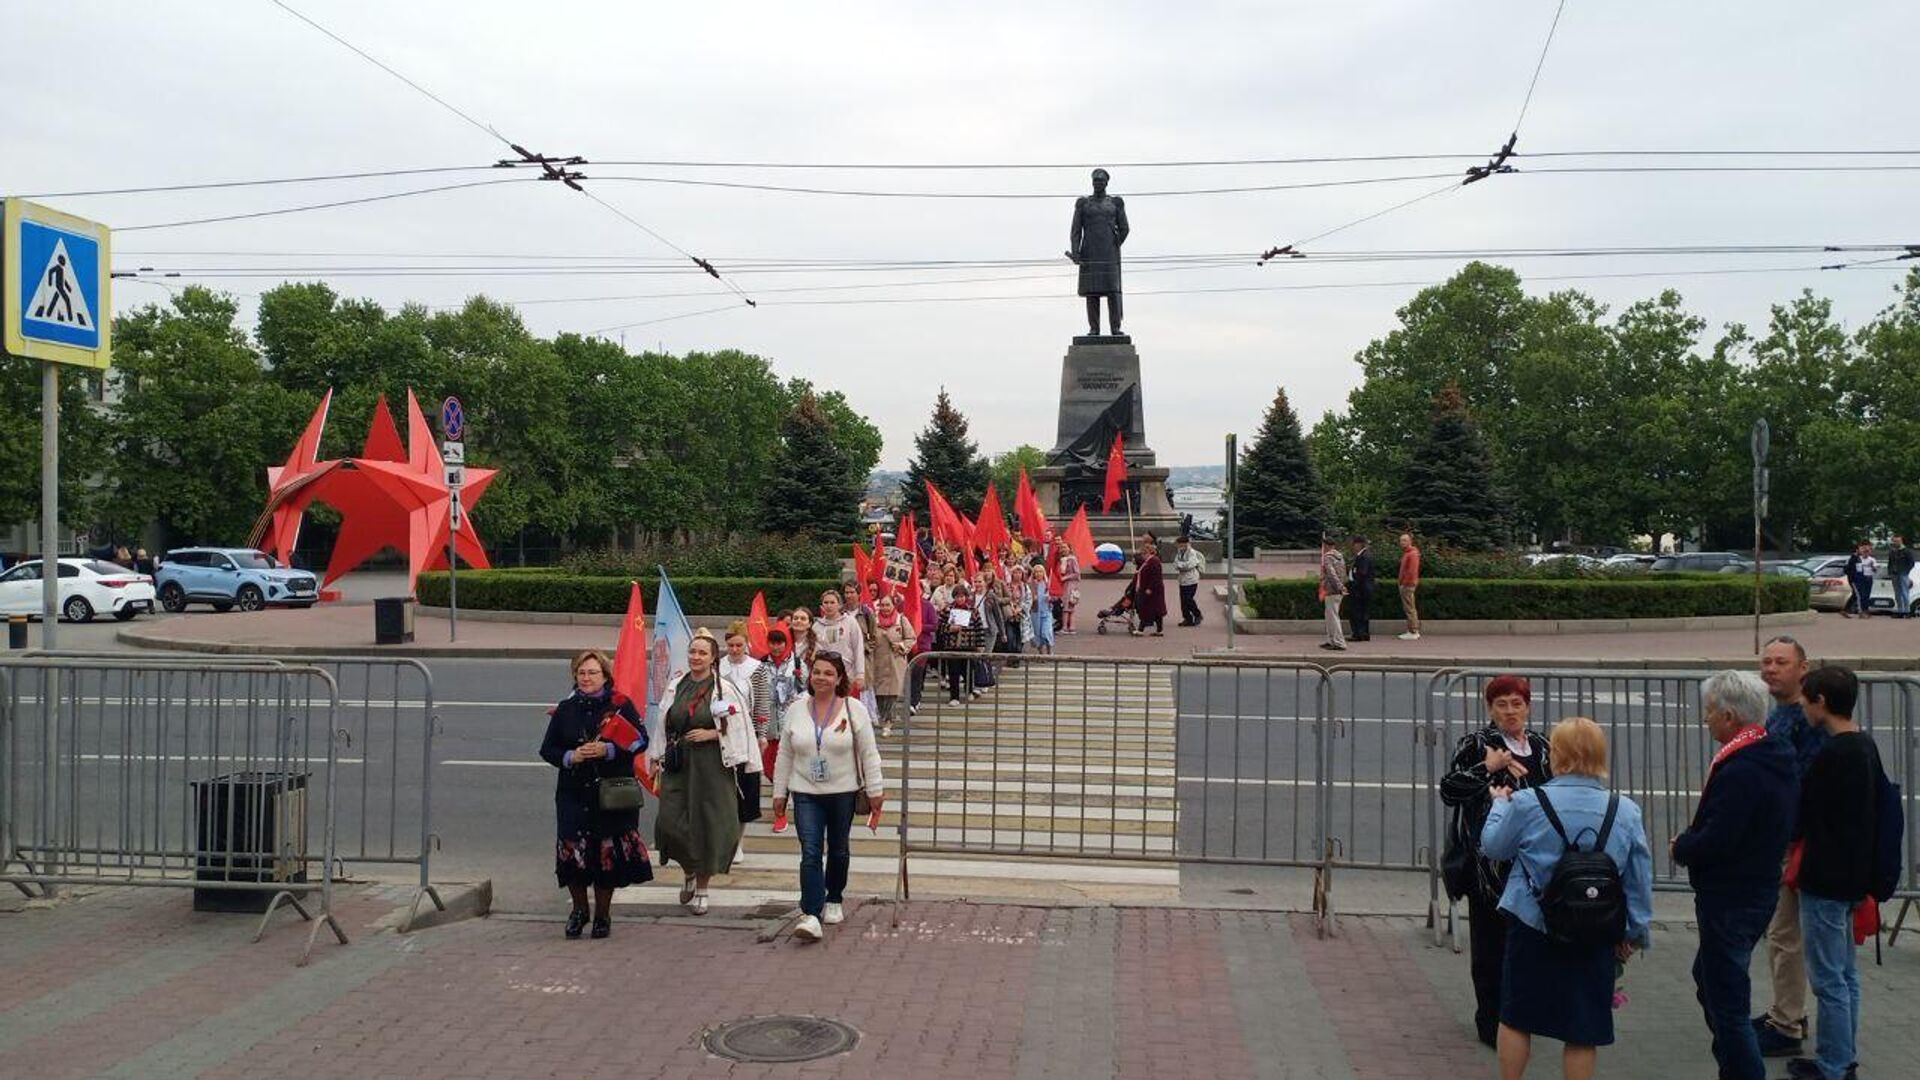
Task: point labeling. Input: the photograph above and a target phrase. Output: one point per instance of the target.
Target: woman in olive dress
(596, 847)
(705, 718)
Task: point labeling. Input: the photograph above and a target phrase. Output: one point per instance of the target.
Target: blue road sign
(56, 286)
(453, 419)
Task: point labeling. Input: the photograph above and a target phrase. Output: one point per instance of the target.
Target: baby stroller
(1122, 612)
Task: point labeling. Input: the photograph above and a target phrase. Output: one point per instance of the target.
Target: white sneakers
(1411, 635)
(808, 929)
(833, 915)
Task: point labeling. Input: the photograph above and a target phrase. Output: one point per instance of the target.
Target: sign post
(1232, 481)
(1760, 441)
(453, 454)
(56, 280)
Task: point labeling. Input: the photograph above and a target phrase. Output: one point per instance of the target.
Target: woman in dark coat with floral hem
(1510, 756)
(601, 848)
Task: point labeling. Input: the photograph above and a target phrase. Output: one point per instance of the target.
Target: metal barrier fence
(1260, 763)
(389, 718)
(138, 772)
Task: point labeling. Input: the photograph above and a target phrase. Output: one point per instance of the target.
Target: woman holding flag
(594, 734)
(709, 733)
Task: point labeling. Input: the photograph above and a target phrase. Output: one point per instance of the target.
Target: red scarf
(1742, 739)
(885, 622)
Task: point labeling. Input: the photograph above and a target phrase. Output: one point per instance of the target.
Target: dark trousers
(916, 684)
(1488, 930)
(1359, 605)
(1730, 926)
(1189, 605)
(957, 672)
(1863, 594)
(824, 822)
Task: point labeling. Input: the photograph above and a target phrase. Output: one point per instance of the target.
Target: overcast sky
(106, 95)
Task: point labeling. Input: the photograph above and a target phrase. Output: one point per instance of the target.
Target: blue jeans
(1863, 594)
(824, 823)
(1902, 595)
(1730, 926)
(1826, 928)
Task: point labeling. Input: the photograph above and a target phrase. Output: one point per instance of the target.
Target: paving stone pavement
(131, 983)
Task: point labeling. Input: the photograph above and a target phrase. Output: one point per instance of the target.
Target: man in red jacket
(1409, 578)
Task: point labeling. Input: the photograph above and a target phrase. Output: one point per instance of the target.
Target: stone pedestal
(1100, 395)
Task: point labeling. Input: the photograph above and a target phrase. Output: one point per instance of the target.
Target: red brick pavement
(1362, 975)
(1175, 1003)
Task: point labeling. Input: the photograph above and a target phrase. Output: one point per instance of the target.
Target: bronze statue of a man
(1099, 228)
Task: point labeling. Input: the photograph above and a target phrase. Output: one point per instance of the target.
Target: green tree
(82, 449)
(1004, 470)
(1280, 501)
(813, 489)
(1446, 493)
(944, 455)
(198, 421)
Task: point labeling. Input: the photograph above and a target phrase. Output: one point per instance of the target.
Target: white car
(87, 587)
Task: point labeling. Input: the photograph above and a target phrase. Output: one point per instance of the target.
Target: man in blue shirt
(1783, 664)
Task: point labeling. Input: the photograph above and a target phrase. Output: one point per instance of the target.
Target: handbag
(1457, 870)
(747, 784)
(862, 804)
(674, 758)
(615, 793)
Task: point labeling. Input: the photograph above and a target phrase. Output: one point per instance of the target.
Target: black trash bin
(252, 827)
(393, 620)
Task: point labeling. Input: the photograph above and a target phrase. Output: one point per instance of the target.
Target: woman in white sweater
(828, 755)
(837, 631)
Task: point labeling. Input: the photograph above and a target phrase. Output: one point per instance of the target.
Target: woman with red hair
(1508, 755)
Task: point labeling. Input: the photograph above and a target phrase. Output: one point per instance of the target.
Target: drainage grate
(781, 1039)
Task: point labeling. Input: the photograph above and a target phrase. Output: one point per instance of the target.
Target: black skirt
(1562, 992)
(597, 847)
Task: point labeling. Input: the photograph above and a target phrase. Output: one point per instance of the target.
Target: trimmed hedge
(1663, 596)
(542, 589)
(794, 558)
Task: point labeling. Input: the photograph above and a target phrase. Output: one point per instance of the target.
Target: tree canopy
(1279, 500)
(944, 455)
(595, 445)
(1602, 427)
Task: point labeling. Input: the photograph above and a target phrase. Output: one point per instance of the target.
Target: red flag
(946, 520)
(630, 672)
(991, 531)
(910, 602)
(757, 625)
(909, 538)
(862, 568)
(1079, 539)
(1033, 521)
(1116, 472)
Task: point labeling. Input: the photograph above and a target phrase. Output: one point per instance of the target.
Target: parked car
(1881, 602)
(1786, 567)
(1584, 562)
(87, 587)
(231, 577)
(1630, 559)
(1702, 562)
(1830, 589)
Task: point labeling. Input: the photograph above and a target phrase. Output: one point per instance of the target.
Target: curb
(1536, 627)
(452, 651)
(1350, 662)
(474, 901)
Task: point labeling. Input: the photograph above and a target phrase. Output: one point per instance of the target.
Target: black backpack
(1585, 902)
(1889, 854)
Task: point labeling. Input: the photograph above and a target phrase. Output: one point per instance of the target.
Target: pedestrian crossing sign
(57, 286)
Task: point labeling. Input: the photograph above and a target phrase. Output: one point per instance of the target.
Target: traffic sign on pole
(453, 419)
(453, 452)
(58, 286)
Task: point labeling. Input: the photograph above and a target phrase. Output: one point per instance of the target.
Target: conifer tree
(814, 488)
(1281, 501)
(1446, 493)
(944, 455)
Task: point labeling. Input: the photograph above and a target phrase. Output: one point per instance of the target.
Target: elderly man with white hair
(1733, 851)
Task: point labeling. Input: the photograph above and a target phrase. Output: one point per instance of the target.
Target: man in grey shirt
(1189, 564)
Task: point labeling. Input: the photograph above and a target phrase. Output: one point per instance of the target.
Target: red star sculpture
(390, 496)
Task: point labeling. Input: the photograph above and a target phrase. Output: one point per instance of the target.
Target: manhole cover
(781, 1038)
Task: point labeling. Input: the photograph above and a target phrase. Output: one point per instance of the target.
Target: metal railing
(1289, 764)
(164, 773)
(389, 719)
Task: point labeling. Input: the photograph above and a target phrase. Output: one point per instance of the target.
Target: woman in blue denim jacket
(1563, 991)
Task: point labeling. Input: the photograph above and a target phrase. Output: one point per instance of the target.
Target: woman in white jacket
(706, 718)
(837, 631)
(827, 756)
